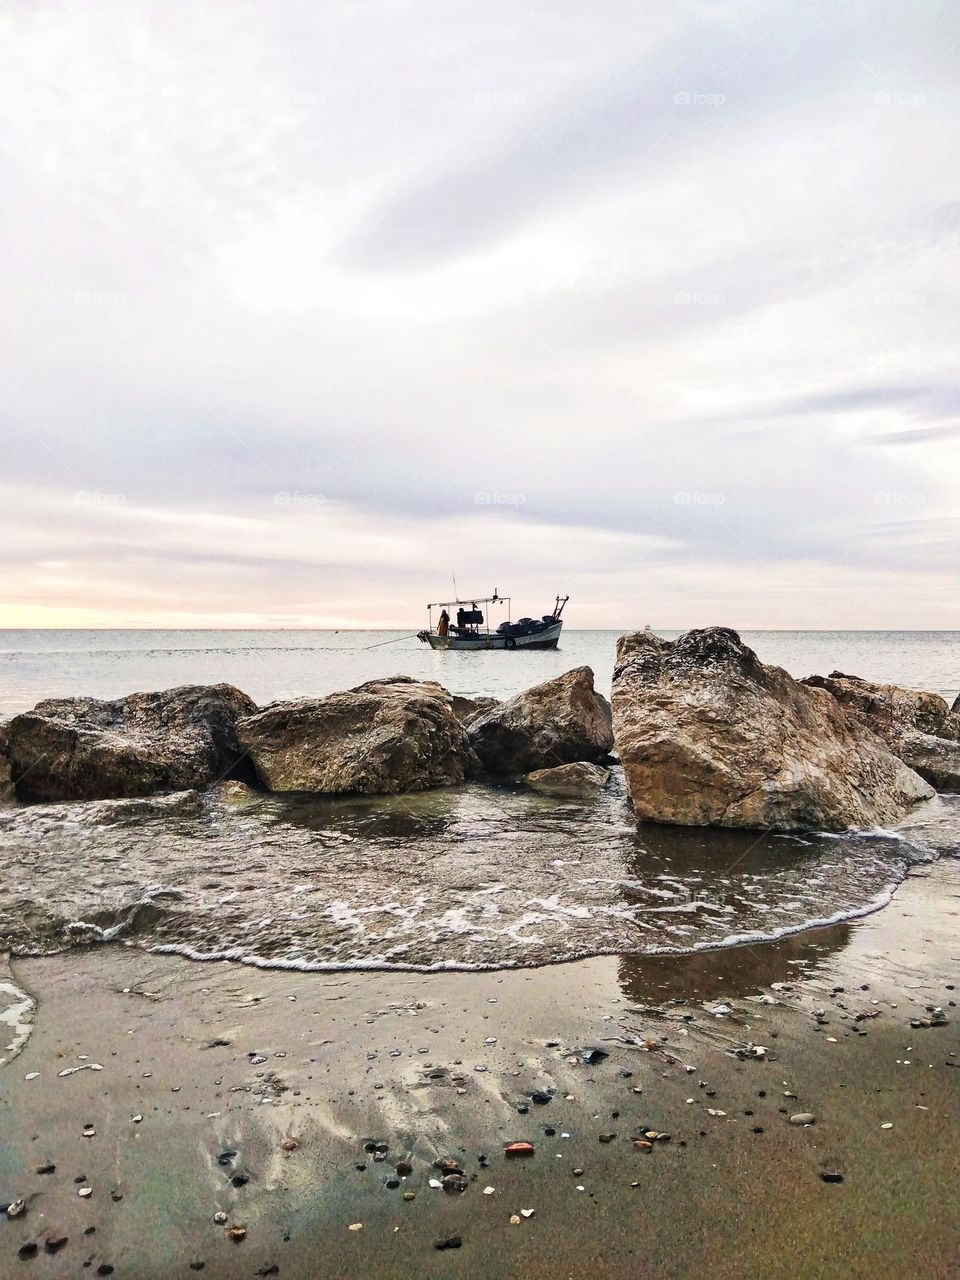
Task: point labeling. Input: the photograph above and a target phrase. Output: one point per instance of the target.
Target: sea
(474, 877)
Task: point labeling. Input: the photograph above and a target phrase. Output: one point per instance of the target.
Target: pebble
(409, 1195)
(85, 1192)
(607, 1137)
(289, 1144)
(54, 1241)
(237, 1233)
(28, 1250)
(89, 1131)
(827, 1176)
(489, 1191)
(46, 1168)
(355, 1226)
(449, 1242)
(515, 1149)
(527, 1213)
(803, 1117)
(17, 1209)
(220, 1218)
(886, 1126)
(515, 1219)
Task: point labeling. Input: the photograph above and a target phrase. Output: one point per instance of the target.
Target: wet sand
(439, 1066)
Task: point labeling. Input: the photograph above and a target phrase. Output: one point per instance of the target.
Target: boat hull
(548, 638)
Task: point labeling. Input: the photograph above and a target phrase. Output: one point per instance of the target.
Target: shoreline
(405, 1058)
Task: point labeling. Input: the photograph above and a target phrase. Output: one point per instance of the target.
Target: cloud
(311, 304)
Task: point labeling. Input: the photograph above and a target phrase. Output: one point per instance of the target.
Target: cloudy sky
(308, 305)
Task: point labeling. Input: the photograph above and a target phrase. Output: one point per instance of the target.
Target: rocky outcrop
(710, 736)
(559, 722)
(935, 759)
(176, 804)
(382, 738)
(569, 781)
(955, 709)
(87, 749)
(890, 710)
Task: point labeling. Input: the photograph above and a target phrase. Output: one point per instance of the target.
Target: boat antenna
(453, 574)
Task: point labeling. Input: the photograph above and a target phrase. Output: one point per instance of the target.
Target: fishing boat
(465, 624)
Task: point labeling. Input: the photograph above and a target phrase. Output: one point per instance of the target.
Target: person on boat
(443, 624)
(461, 618)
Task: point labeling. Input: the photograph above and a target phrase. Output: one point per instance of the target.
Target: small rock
(88, 1131)
(237, 1233)
(28, 1250)
(17, 1209)
(828, 1176)
(515, 1149)
(803, 1117)
(289, 1144)
(54, 1241)
(607, 1137)
(527, 1213)
(409, 1195)
(220, 1218)
(449, 1242)
(489, 1191)
(46, 1168)
(515, 1219)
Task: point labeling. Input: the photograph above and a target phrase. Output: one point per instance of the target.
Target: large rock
(919, 727)
(558, 722)
(569, 781)
(890, 710)
(87, 749)
(382, 738)
(935, 759)
(710, 736)
(955, 709)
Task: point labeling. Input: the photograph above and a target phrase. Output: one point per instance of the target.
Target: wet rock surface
(383, 738)
(569, 780)
(561, 721)
(88, 749)
(710, 736)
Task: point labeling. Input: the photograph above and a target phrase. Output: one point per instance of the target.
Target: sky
(309, 307)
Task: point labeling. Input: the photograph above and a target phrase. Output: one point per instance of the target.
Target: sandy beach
(256, 1095)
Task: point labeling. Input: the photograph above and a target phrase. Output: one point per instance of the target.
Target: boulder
(955, 709)
(935, 759)
(888, 709)
(382, 738)
(175, 804)
(919, 727)
(710, 736)
(559, 722)
(569, 780)
(466, 709)
(87, 749)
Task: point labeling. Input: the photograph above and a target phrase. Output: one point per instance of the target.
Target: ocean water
(270, 665)
(472, 877)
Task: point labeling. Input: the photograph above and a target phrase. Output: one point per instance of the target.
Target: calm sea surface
(470, 877)
(280, 664)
